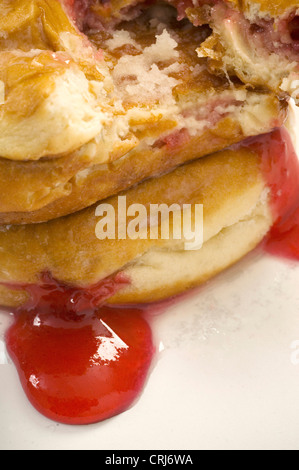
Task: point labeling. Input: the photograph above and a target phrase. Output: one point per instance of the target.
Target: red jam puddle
(81, 368)
(81, 362)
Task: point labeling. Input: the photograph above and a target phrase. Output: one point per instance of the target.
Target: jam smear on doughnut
(280, 166)
(52, 296)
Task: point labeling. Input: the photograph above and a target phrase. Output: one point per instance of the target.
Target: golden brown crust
(272, 7)
(160, 275)
(229, 184)
(57, 185)
(59, 181)
(114, 11)
(47, 71)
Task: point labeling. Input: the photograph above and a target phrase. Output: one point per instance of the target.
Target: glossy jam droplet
(81, 369)
(280, 167)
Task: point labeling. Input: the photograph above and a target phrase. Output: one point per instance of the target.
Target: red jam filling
(280, 166)
(293, 27)
(175, 140)
(80, 362)
(53, 296)
(78, 9)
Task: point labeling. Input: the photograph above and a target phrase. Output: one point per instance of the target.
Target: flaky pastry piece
(48, 107)
(167, 109)
(237, 215)
(256, 39)
(54, 86)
